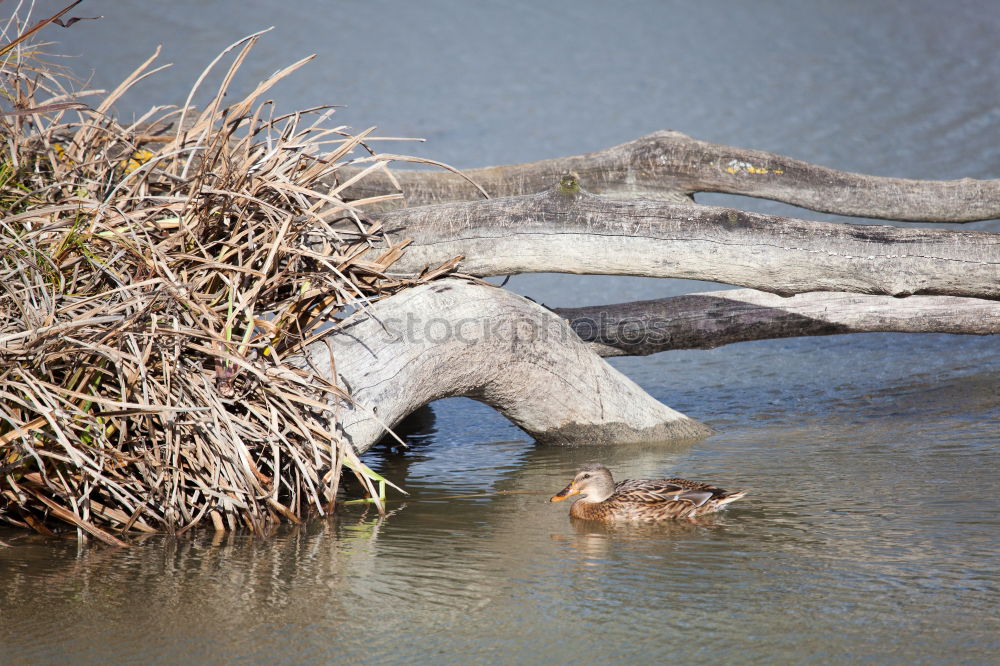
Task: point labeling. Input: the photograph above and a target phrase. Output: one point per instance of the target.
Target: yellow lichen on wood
(737, 166)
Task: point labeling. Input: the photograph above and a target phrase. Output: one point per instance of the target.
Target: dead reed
(154, 279)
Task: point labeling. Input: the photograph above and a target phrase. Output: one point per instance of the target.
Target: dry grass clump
(154, 278)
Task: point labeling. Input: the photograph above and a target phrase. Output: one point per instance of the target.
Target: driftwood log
(638, 218)
(576, 232)
(452, 338)
(713, 319)
(671, 166)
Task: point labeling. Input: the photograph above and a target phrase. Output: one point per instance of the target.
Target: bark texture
(670, 166)
(848, 278)
(568, 231)
(705, 321)
(453, 338)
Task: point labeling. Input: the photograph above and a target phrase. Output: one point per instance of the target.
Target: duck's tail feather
(732, 498)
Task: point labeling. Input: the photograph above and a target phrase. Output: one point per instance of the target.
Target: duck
(641, 500)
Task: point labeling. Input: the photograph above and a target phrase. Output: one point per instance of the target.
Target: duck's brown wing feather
(651, 491)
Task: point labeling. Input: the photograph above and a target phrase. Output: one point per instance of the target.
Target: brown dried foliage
(154, 283)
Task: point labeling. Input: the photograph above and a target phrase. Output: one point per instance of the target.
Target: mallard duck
(640, 499)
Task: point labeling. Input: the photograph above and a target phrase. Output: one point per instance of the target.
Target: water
(871, 529)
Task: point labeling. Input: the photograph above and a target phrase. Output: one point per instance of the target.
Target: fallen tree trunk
(453, 338)
(671, 166)
(709, 320)
(569, 231)
(564, 229)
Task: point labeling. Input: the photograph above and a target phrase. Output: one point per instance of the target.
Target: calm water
(871, 532)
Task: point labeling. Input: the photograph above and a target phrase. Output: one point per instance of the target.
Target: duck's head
(593, 483)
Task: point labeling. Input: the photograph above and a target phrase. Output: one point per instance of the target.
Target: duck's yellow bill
(568, 491)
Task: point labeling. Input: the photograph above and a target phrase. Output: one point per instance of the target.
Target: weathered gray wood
(669, 165)
(454, 338)
(713, 319)
(556, 231)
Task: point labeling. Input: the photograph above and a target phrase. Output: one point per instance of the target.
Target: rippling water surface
(871, 529)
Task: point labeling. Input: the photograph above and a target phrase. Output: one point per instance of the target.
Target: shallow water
(865, 536)
(871, 529)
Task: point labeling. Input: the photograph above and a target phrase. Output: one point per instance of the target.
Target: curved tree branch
(670, 166)
(452, 338)
(566, 232)
(709, 320)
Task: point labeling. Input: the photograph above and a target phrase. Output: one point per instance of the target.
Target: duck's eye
(586, 476)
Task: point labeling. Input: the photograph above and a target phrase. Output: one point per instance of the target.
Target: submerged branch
(709, 320)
